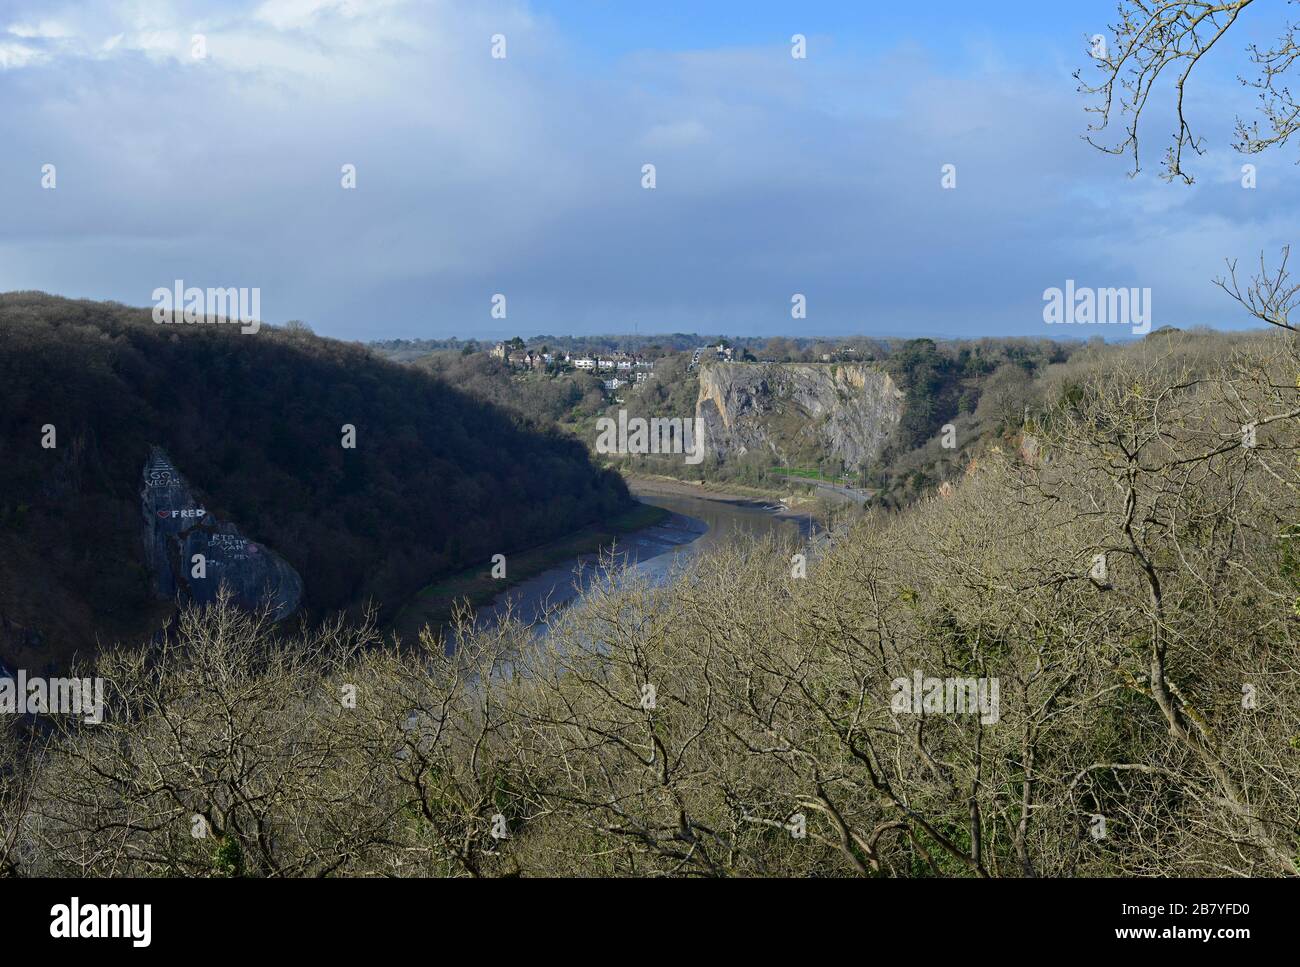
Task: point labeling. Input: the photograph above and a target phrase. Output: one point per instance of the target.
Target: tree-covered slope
(436, 481)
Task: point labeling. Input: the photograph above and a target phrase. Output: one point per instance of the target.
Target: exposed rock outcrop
(798, 411)
(177, 527)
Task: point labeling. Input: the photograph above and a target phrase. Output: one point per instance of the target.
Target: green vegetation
(980, 387)
(808, 474)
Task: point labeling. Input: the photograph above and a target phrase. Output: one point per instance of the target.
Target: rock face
(177, 527)
(798, 411)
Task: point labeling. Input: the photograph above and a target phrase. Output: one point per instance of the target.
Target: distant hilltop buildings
(633, 366)
(720, 352)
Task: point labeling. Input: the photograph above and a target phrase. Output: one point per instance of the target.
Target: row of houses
(626, 363)
(526, 358)
(614, 363)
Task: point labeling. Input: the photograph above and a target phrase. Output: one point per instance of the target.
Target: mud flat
(789, 506)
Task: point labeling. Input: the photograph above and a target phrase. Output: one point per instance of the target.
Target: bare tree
(1159, 39)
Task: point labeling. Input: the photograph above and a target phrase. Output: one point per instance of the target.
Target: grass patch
(807, 474)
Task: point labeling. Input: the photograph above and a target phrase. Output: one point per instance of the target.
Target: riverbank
(695, 525)
(435, 603)
(783, 504)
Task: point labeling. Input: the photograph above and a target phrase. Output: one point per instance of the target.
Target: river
(694, 526)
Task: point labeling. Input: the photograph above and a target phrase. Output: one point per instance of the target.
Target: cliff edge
(799, 412)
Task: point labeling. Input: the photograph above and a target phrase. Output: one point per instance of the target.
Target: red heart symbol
(164, 513)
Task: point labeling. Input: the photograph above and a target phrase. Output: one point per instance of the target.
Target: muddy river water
(694, 526)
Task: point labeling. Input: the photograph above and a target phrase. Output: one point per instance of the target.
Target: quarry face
(844, 410)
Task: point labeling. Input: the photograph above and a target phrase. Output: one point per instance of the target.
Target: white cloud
(289, 14)
(46, 29)
(13, 56)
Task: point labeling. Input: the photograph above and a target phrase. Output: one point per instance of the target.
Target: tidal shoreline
(788, 507)
(433, 606)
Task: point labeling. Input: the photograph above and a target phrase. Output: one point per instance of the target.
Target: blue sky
(522, 176)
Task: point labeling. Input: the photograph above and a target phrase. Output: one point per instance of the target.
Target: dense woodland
(1131, 583)
(438, 479)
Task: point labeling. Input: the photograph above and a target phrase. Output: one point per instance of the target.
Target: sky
(522, 176)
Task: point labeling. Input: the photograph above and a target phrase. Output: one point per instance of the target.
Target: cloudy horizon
(523, 175)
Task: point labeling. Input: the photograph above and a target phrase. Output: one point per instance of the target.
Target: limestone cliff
(177, 528)
(798, 412)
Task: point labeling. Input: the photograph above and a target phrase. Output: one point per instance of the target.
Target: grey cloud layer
(523, 176)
